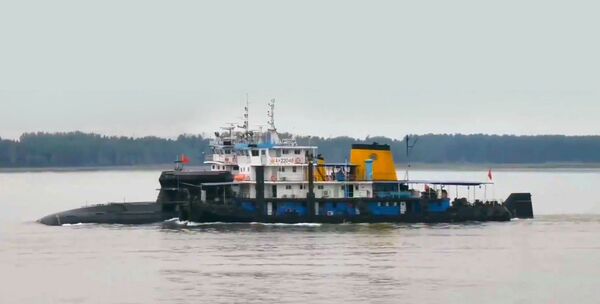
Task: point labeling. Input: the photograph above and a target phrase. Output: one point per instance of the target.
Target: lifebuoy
(273, 178)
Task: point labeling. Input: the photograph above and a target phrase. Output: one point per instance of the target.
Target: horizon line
(210, 135)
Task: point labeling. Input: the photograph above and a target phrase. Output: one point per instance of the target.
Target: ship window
(293, 169)
(341, 187)
(395, 204)
(320, 187)
(213, 167)
(285, 151)
(301, 187)
(355, 187)
(288, 187)
(296, 151)
(379, 204)
(254, 152)
(387, 204)
(281, 169)
(278, 152)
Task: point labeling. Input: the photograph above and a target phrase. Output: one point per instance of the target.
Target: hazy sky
(335, 67)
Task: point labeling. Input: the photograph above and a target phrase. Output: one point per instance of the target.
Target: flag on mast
(490, 174)
(184, 159)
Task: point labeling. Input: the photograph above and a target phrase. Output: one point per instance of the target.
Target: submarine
(255, 176)
(168, 205)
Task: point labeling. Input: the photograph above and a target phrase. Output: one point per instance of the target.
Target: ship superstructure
(273, 179)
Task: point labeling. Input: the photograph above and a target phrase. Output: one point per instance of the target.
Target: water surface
(554, 258)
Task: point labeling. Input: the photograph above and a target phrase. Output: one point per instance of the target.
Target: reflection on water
(551, 259)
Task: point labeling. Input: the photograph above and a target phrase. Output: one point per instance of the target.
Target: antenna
(271, 115)
(409, 148)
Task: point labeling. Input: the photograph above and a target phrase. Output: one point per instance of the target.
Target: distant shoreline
(500, 167)
(399, 167)
(157, 167)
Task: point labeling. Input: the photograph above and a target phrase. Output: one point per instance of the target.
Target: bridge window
(254, 152)
(320, 187)
(294, 169)
(285, 151)
(288, 187)
(297, 152)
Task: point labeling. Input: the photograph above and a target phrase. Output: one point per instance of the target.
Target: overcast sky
(353, 68)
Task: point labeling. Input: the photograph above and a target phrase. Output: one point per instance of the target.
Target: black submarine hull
(112, 213)
(177, 189)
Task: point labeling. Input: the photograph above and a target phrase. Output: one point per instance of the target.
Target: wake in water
(286, 224)
(77, 224)
(175, 223)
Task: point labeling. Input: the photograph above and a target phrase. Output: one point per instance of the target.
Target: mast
(409, 148)
(246, 119)
(272, 135)
(271, 115)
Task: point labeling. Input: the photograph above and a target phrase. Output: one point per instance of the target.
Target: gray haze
(336, 67)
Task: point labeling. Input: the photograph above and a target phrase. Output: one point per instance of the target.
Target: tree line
(77, 149)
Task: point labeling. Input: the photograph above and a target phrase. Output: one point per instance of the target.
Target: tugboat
(256, 176)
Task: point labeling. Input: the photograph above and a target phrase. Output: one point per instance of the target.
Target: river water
(554, 258)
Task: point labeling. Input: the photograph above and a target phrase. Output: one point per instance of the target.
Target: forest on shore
(77, 149)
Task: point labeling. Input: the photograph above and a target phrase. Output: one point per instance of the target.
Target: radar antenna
(229, 128)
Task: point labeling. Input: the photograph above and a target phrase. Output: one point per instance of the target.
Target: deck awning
(445, 182)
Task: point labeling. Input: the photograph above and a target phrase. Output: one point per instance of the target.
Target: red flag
(490, 174)
(184, 159)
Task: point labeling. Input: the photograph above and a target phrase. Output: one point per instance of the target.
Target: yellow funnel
(383, 161)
